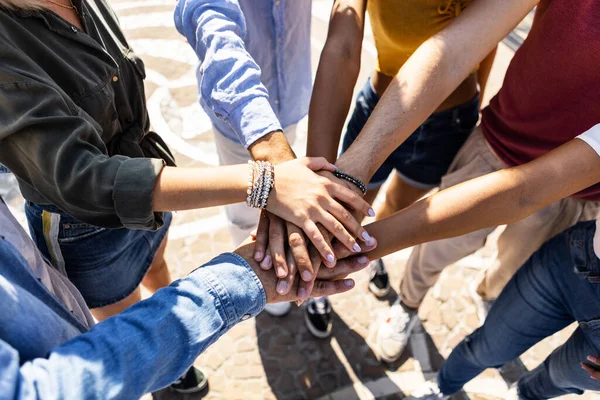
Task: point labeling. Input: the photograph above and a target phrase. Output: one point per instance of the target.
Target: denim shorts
(106, 265)
(427, 153)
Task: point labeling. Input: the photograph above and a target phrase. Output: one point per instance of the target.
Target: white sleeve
(592, 138)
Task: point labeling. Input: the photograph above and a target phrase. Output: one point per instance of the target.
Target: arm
(336, 76)
(152, 343)
(430, 75)
(498, 198)
(229, 79)
(485, 67)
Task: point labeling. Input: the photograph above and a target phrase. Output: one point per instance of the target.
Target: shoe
(429, 391)
(278, 309)
(193, 381)
(379, 284)
(513, 393)
(395, 331)
(483, 306)
(317, 315)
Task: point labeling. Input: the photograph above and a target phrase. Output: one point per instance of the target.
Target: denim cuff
(239, 293)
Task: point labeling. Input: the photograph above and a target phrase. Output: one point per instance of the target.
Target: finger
(343, 268)
(329, 288)
(594, 360)
(338, 230)
(319, 241)
(345, 217)
(262, 237)
(286, 284)
(351, 199)
(319, 164)
(299, 250)
(590, 370)
(342, 251)
(315, 257)
(277, 245)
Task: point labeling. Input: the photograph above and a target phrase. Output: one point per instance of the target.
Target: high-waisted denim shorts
(427, 153)
(106, 265)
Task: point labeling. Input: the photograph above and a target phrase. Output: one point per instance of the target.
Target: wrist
(272, 147)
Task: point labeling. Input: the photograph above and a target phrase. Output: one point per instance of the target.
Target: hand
(594, 369)
(328, 282)
(303, 198)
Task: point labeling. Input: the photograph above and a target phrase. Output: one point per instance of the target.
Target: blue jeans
(427, 153)
(106, 265)
(558, 285)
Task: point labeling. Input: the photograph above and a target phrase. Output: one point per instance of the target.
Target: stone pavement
(277, 358)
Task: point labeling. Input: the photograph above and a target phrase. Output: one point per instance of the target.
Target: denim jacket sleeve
(145, 348)
(229, 79)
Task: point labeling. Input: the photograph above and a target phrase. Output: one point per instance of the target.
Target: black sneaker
(317, 315)
(193, 381)
(379, 284)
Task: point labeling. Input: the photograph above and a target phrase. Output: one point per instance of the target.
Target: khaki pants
(515, 244)
(242, 219)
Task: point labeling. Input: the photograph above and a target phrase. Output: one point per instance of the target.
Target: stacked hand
(309, 222)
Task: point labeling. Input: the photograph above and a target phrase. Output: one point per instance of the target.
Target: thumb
(319, 164)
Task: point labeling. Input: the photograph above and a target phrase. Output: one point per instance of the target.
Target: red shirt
(551, 92)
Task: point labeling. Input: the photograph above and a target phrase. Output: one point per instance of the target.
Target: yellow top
(401, 26)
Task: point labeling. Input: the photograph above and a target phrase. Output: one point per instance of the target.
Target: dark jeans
(427, 153)
(558, 285)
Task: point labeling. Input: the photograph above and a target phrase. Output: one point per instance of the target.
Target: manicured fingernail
(592, 359)
(258, 255)
(333, 166)
(365, 235)
(330, 258)
(302, 293)
(363, 260)
(266, 262)
(282, 287)
(348, 283)
(371, 242)
(306, 275)
(356, 247)
(281, 272)
(371, 212)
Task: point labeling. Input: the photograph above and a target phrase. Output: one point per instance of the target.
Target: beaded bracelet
(260, 183)
(355, 181)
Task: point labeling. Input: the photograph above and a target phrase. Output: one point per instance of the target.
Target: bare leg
(158, 275)
(103, 313)
(398, 196)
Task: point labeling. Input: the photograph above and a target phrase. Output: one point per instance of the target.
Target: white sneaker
(429, 391)
(513, 393)
(394, 332)
(278, 309)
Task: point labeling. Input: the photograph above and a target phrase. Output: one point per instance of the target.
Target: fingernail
(258, 255)
(333, 166)
(371, 212)
(370, 242)
(330, 258)
(302, 293)
(266, 262)
(365, 235)
(363, 260)
(356, 247)
(281, 272)
(348, 283)
(306, 275)
(282, 287)
(592, 359)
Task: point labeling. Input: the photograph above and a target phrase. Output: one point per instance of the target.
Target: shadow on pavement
(300, 366)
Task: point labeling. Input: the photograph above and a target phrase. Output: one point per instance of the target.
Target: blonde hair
(22, 4)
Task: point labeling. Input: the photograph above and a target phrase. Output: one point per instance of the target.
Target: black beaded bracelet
(355, 181)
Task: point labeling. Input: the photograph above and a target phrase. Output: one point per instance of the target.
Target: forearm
(330, 102)
(498, 198)
(431, 74)
(190, 188)
(150, 344)
(273, 147)
(336, 77)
